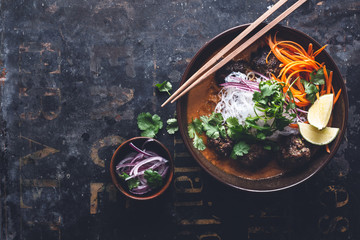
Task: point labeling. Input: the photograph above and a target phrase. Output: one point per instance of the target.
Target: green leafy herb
(212, 125)
(310, 90)
(149, 124)
(194, 128)
(269, 104)
(234, 130)
(199, 143)
(132, 183)
(124, 175)
(164, 87)
(317, 77)
(240, 149)
(172, 125)
(153, 178)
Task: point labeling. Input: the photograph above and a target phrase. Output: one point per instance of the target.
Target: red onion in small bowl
(142, 168)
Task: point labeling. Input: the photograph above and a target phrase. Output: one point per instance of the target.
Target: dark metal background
(79, 72)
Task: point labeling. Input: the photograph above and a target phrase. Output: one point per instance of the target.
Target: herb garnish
(153, 178)
(165, 86)
(172, 125)
(149, 124)
(317, 77)
(195, 128)
(132, 183)
(310, 90)
(240, 149)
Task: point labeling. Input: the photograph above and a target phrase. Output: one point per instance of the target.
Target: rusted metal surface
(78, 74)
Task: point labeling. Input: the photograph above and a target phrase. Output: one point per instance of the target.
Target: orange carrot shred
(327, 148)
(337, 96)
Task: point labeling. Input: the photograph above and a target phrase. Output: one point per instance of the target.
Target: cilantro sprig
(149, 124)
(165, 86)
(132, 182)
(172, 125)
(153, 178)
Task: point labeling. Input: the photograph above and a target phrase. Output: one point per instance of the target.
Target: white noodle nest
(236, 102)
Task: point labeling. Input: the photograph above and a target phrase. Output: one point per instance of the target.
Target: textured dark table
(79, 72)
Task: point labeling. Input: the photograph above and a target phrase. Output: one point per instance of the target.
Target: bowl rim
(336, 143)
(115, 178)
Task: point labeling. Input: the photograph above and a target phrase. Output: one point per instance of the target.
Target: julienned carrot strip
(320, 50)
(322, 91)
(329, 87)
(326, 80)
(317, 94)
(302, 98)
(337, 96)
(293, 125)
(310, 49)
(296, 44)
(327, 148)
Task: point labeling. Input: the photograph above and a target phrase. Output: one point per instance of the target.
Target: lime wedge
(316, 136)
(319, 113)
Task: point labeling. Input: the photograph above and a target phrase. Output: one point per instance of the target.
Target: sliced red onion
(139, 150)
(261, 75)
(136, 163)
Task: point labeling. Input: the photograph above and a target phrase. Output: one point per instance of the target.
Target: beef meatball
(259, 62)
(223, 146)
(232, 66)
(256, 158)
(294, 152)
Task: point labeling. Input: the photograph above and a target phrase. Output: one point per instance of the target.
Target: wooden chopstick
(241, 47)
(226, 49)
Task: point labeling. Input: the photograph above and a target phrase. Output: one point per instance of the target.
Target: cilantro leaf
(317, 77)
(235, 131)
(164, 87)
(198, 143)
(148, 133)
(172, 125)
(149, 124)
(212, 124)
(310, 90)
(123, 175)
(132, 182)
(153, 178)
(194, 127)
(240, 149)
(282, 122)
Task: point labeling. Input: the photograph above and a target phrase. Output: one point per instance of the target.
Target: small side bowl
(125, 149)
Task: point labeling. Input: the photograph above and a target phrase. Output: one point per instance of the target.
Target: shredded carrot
(298, 63)
(327, 148)
(319, 51)
(293, 125)
(329, 85)
(337, 96)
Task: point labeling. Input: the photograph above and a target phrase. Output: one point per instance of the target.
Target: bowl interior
(286, 179)
(124, 149)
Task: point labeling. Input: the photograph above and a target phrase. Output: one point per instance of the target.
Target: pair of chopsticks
(214, 64)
